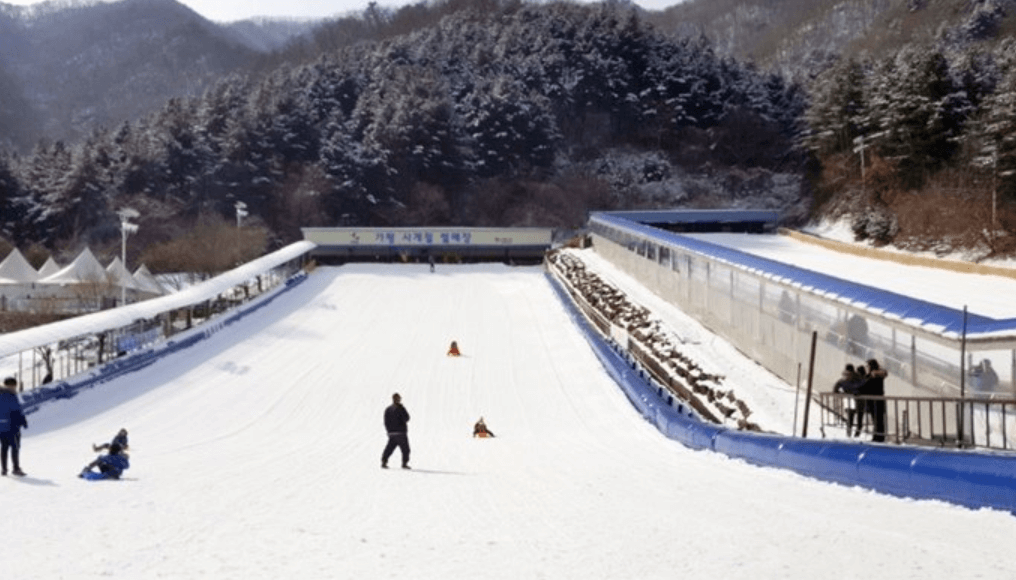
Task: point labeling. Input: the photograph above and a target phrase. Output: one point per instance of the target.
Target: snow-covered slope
(256, 455)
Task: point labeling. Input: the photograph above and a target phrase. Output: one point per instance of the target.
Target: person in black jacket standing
(12, 419)
(875, 386)
(397, 426)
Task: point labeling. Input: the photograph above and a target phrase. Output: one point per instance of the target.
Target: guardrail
(135, 361)
(64, 350)
(924, 421)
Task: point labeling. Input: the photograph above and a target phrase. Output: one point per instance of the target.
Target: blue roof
(890, 304)
(687, 216)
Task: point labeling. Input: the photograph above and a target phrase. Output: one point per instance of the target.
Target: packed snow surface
(256, 456)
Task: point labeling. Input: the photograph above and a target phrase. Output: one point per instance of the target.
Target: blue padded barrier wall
(968, 478)
(981, 480)
(886, 468)
(760, 450)
(837, 461)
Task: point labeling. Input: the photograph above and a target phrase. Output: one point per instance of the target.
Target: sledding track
(256, 455)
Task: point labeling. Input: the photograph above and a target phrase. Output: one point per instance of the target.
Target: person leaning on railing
(850, 383)
(875, 387)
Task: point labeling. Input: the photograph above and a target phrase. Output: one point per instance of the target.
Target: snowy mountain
(269, 34)
(531, 114)
(73, 67)
(802, 37)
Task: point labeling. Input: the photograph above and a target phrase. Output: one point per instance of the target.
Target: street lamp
(126, 228)
(241, 211)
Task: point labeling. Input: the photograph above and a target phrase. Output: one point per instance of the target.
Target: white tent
(84, 268)
(147, 281)
(119, 275)
(15, 269)
(95, 322)
(49, 268)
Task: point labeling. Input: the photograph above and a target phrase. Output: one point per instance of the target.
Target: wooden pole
(811, 377)
(797, 396)
(963, 356)
(961, 418)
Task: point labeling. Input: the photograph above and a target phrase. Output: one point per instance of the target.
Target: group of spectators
(867, 386)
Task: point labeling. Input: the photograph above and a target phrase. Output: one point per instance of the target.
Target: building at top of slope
(429, 244)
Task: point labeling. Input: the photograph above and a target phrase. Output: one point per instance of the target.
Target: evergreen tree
(915, 102)
(509, 130)
(993, 133)
(835, 115)
(406, 120)
(11, 209)
(45, 176)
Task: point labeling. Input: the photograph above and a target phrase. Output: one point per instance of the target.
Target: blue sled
(94, 476)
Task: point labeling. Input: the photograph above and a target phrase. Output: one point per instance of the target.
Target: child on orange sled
(480, 429)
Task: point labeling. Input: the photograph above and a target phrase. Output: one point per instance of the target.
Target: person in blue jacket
(111, 465)
(12, 419)
(120, 439)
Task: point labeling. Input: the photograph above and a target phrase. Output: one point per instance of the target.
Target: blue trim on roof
(687, 216)
(889, 303)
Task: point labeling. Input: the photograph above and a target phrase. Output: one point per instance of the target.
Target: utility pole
(860, 146)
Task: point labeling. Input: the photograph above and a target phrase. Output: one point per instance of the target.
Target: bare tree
(212, 247)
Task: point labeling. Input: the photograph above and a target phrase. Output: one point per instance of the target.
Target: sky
(256, 454)
(232, 10)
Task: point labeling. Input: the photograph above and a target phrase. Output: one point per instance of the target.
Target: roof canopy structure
(119, 275)
(16, 269)
(49, 268)
(933, 318)
(147, 282)
(84, 268)
(705, 220)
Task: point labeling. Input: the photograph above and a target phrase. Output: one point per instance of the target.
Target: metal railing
(63, 350)
(933, 421)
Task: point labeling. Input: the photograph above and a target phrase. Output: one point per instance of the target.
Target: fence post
(797, 396)
(811, 376)
(963, 380)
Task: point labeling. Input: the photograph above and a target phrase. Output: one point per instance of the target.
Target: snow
(256, 455)
(840, 231)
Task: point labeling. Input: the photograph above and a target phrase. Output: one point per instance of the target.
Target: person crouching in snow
(120, 439)
(480, 429)
(111, 465)
(453, 350)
